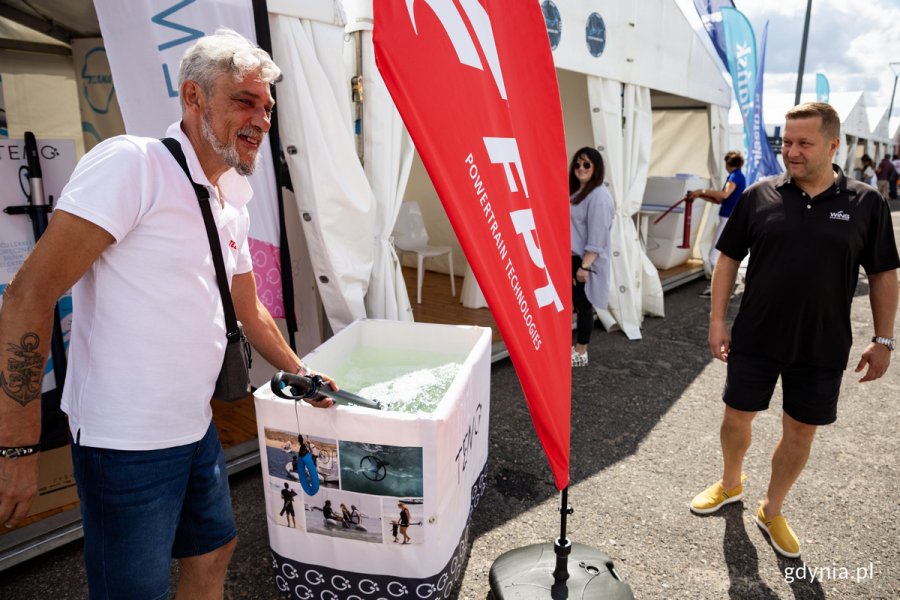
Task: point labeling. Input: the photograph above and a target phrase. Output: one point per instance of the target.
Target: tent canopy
(46, 25)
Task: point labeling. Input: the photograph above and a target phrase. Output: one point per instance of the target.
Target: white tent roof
(879, 124)
(46, 25)
(851, 107)
(649, 43)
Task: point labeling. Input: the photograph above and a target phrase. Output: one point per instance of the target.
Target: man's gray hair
(225, 52)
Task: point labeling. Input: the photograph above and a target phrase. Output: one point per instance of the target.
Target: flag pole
(562, 547)
(803, 53)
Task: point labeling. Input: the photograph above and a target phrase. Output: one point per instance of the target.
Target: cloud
(851, 43)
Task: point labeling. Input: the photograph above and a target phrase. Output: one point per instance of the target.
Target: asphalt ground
(645, 439)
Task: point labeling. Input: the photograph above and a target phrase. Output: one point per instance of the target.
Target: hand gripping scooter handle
(292, 386)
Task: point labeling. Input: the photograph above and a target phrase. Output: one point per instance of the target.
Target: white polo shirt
(148, 331)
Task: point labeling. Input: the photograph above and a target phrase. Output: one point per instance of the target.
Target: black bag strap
(231, 327)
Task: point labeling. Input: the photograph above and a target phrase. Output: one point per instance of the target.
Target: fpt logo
(453, 23)
(501, 151)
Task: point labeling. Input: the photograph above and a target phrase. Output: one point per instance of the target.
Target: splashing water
(419, 391)
(403, 380)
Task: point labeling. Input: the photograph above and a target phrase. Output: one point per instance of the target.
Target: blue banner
(712, 22)
(823, 90)
(767, 164)
(746, 78)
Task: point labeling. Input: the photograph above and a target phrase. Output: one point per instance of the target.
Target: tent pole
(264, 39)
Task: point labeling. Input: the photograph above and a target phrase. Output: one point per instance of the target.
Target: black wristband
(17, 451)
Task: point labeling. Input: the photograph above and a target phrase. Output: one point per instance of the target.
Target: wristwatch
(889, 342)
(17, 451)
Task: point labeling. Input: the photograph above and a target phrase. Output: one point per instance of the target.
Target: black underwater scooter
(292, 386)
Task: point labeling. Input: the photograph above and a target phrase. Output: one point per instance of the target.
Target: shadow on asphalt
(617, 400)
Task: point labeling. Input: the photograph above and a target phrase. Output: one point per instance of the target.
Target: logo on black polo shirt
(840, 216)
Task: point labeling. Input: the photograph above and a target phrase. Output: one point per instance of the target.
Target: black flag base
(532, 572)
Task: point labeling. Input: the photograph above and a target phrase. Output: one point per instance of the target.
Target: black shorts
(810, 393)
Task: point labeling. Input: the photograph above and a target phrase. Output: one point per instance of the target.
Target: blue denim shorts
(142, 508)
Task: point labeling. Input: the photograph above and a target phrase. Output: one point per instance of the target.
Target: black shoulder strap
(214, 246)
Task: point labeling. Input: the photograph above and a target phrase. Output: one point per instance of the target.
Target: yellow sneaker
(780, 534)
(715, 497)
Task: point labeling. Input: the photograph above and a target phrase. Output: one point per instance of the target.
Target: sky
(850, 42)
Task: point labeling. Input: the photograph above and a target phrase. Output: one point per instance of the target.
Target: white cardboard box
(434, 462)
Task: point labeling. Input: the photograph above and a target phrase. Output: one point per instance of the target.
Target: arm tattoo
(24, 368)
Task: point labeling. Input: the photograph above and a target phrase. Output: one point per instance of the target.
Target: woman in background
(591, 211)
(727, 199)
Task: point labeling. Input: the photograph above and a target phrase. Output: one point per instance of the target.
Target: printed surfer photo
(380, 469)
(342, 515)
(285, 504)
(286, 452)
(403, 518)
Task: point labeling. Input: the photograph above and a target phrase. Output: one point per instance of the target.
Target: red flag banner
(476, 86)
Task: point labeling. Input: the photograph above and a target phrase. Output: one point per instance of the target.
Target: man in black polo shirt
(807, 232)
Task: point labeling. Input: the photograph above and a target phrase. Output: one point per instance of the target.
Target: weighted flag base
(528, 572)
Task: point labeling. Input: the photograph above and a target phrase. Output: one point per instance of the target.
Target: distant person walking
(808, 232)
(893, 181)
(886, 175)
(868, 171)
(727, 199)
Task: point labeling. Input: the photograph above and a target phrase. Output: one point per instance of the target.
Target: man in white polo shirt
(148, 333)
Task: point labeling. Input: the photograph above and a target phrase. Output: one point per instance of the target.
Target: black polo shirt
(805, 255)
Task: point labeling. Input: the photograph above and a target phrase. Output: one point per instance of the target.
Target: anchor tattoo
(24, 367)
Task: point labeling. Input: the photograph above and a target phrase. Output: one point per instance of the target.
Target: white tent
(881, 139)
(654, 68)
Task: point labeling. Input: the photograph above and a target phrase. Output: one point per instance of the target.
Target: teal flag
(823, 90)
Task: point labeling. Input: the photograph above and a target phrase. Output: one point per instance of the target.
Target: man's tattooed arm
(21, 373)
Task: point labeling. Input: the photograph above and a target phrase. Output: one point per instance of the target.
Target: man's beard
(228, 152)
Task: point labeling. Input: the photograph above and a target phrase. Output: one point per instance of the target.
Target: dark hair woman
(727, 199)
(591, 211)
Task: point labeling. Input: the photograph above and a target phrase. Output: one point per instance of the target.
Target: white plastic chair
(410, 236)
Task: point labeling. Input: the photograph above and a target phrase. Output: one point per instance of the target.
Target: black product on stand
(54, 427)
(557, 571)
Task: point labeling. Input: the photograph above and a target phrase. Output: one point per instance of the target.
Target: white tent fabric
(334, 199)
(680, 137)
(626, 154)
(41, 96)
(718, 147)
(388, 156)
(638, 133)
